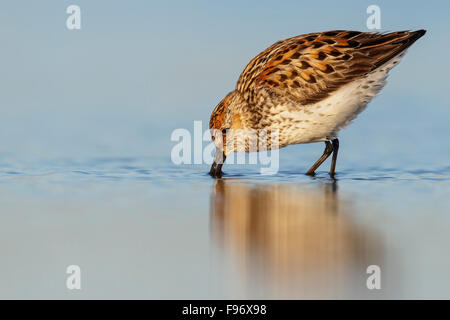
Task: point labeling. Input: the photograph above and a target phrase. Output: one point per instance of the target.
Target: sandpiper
(307, 88)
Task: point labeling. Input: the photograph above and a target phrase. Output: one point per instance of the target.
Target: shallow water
(86, 176)
(145, 228)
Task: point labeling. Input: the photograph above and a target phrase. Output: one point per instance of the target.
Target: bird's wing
(309, 67)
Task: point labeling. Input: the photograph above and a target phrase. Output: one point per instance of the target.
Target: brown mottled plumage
(300, 86)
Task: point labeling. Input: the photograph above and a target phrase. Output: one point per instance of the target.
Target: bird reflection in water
(289, 241)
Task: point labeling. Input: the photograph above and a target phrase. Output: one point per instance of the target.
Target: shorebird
(307, 88)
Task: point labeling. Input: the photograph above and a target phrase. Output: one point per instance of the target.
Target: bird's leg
(326, 153)
(216, 167)
(335, 143)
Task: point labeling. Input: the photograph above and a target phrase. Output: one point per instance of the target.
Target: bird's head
(224, 117)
